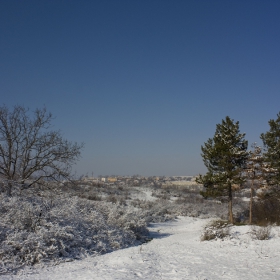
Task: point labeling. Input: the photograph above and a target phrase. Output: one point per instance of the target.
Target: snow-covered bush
(161, 194)
(217, 229)
(161, 210)
(39, 229)
(190, 198)
(128, 219)
(153, 211)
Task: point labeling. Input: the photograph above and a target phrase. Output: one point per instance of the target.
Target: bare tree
(29, 151)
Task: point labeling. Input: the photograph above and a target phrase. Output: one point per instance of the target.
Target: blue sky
(143, 83)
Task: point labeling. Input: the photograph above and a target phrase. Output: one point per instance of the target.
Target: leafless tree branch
(29, 151)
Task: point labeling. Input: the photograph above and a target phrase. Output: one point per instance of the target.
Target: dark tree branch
(29, 152)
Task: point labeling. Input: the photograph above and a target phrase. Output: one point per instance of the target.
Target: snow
(143, 194)
(176, 252)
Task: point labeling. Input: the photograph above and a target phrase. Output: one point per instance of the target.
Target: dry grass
(261, 233)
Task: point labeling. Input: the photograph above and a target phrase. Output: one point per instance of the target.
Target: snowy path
(176, 252)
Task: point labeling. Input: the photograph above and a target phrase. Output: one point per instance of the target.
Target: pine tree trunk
(251, 206)
(230, 215)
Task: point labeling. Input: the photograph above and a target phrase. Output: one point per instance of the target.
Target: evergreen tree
(225, 157)
(271, 141)
(254, 173)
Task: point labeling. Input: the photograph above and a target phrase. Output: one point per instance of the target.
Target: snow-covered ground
(176, 252)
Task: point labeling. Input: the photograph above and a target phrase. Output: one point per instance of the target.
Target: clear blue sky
(143, 83)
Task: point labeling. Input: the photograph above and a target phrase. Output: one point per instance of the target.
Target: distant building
(112, 179)
(90, 179)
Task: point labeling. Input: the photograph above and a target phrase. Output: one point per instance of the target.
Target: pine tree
(225, 157)
(271, 141)
(254, 173)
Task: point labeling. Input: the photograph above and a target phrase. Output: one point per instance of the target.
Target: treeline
(232, 166)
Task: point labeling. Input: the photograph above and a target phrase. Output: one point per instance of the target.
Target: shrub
(39, 229)
(94, 197)
(261, 233)
(112, 198)
(217, 229)
(266, 211)
(190, 198)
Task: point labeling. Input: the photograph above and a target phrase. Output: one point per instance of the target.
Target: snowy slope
(176, 252)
